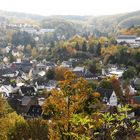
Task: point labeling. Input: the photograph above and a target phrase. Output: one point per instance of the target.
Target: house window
(105, 99)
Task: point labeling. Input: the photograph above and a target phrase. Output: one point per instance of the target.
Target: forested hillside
(77, 24)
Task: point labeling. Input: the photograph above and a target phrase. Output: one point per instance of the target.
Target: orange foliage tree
(59, 73)
(69, 99)
(118, 89)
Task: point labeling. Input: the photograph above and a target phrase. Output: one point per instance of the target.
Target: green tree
(7, 123)
(92, 67)
(50, 74)
(105, 84)
(11, 58)
(91, 48)
(129, 73)
(34, 129)
(77, 47)
(23, 38)
(84, 46)
(98, 49)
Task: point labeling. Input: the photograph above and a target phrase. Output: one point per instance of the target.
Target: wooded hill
(77, 24)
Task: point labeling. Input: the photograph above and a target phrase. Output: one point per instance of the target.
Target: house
(22, 75)
(52, 84)
(136, 83)
(41, 68)
(11, 74)
(48, 64)
(5, 80)
(132, 90)
(114, 71)
(24, 66)
(82, 72)
(22, 104)
(29, 30)
(25, 100)
(38, 68)
(137, 40)
(117, 73)
(67, 64)
(8, 49)
(135, 100)
(34, 111)
(108, 96)
(126, 38)
(41, 101)
(132, 40)
(6, 60)
(27, 90)
(79, 71)
(43, 31)
(40, 83)
(5, 70)
(7, 90)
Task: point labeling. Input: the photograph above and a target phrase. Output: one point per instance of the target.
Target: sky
(70, 7)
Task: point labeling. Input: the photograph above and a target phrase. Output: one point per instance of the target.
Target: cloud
(70, 7)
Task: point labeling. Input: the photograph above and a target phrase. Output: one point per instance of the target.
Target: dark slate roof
(16, 104)
(105, 92)
(40, 81)
(27, 90)
(51, 64)
(83, 74)
(5, 70)
(5, 80)
(35, 111)
(24, 66)
(137, 81)
(126, 37)
(136, 99)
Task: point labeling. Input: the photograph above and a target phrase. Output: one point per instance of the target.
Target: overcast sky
(70, 7)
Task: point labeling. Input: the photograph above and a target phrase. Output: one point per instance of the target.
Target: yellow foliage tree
(102, 40)
(34, 53)
(70, 99)
(6, 123)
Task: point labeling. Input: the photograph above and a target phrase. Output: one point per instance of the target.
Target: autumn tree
(102, 40)
(116, 84)
(70, 49)
(4, 107)
(28, 49)
(34, 129)
(70, 99)
(34, 53)
(59, 73)
(7, 123)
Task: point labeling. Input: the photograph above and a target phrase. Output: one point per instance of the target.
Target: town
(60, 77)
